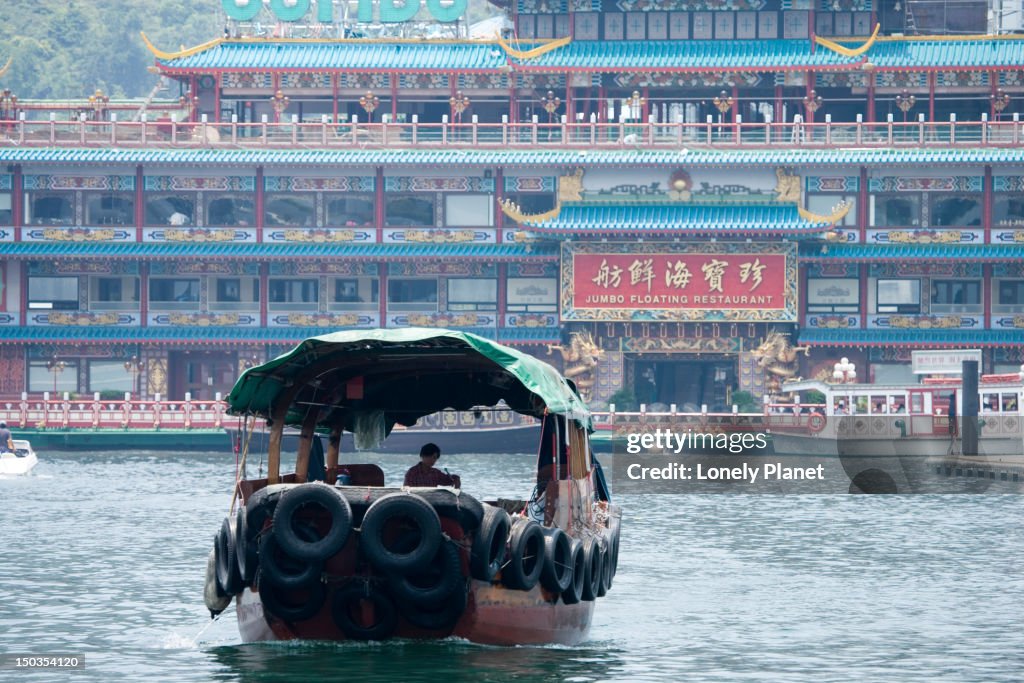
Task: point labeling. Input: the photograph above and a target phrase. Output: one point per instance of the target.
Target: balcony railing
(530, 135)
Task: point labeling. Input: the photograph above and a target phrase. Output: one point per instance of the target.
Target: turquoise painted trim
(872, 253)
(668, 158)
(929, 338)
(498, 252)
(667, 217)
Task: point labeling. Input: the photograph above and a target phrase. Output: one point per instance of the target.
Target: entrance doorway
(200, 373)
(687, 383)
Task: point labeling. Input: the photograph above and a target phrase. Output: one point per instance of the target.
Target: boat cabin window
(860, 404)
(354, 293)
(879, 405)
(53, 293)
(289, 210)
(43, 375)
(408, 294)
(292, 294)
(550, 434)
(917, 403)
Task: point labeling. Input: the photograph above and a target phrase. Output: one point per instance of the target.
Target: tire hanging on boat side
(592, 568)
(489, 544)
(227, 566)
(433, 585)
(400, 507)
(606, 565)
(244, 555)
(574, 593)
(556, 574)
(282, 570)
(281, 601)
(350, 598)
(286, 523)
(439, 618)
(525, 555)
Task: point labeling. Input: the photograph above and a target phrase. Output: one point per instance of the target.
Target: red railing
(113, 414)
(530, 135)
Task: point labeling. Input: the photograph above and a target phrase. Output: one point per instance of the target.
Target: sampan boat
(347, 558)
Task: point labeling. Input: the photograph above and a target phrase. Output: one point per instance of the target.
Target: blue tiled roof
(666, 218)
(513, 157)
(655, 55)
(660, 55)
(227, 335)
(350, 55)
(266, 252)
(925, 338)
(946, 53)
(913, 252)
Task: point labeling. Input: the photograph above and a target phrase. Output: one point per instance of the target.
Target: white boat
(21, 461)
(898, 436)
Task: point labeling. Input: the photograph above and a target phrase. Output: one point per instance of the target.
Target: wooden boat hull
(493, 616)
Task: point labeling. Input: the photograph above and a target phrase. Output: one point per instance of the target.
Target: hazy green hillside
(68, 48)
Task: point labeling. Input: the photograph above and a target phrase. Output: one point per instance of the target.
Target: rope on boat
(240, 467)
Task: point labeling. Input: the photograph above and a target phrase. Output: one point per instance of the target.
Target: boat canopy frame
(339, 380)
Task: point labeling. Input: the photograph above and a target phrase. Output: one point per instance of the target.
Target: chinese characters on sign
(748, 281)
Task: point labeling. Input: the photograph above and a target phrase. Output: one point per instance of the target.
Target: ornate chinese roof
(269, 252)
(873, 253)
(663, 218)
(924, 338)
(957, 52)
(348, 55)
(707, 158)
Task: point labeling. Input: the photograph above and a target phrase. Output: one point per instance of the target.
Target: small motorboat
(20, 461)
(343, 557)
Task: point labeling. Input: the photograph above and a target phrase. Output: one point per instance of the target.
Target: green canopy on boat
(390, 377)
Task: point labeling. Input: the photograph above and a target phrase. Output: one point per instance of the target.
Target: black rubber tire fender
(279, 601)
(489, 543)
(328, 499)
(432, 586)
(556, 575)
(258, 509)
(615, 530)
(227, 566)
(439, 618)
(592, 567)
(245, 550)
(280, 569)
(606, 565)
(525, 555)
(383, 607)
(405, 506)
(574, 593)
(462, 507)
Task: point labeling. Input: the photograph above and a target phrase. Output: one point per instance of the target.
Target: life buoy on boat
(592, 567)
(489, 544)
(525, 555)
(815, 423)
(282, 603)
(347, 610)
(300, 499)
(574, 593)
(439, 618)
(281, 569)
(213, 596)
(407, 508)
(227, 566)
(556, 575)
(431, 586)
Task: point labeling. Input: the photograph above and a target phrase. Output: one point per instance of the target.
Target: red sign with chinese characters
(687, 281)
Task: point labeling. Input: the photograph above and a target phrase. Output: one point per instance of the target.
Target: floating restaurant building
(700, 186)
